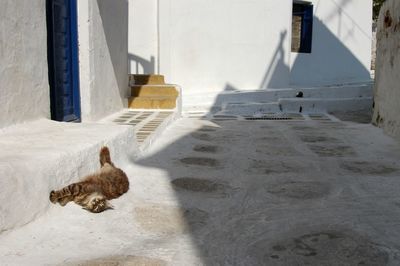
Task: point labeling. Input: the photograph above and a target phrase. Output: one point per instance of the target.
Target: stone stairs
(151, 92)
(313, 100)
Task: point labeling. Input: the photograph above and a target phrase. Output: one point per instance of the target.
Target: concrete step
(301, 105)
(43, 155)
(312, 105)
(148, 124)
(208, 99)
(151, 79)
(39, 156)
(250, 108)
(152, 102)
(154, 90)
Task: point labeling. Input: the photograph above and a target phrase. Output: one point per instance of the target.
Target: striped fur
(94, 191)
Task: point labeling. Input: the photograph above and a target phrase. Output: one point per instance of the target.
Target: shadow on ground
(360, 116)
(277, 193)
(271, 192)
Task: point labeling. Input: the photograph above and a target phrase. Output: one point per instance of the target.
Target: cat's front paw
(53, 197)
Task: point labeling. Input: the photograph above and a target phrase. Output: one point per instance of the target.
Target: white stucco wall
(341, 45)
(226, 44)
(387, 69)
(143, 37)
(24, 88)
(103, 50)
(214, 46)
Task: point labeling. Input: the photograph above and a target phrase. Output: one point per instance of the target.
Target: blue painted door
(305, 12)
(63, 60)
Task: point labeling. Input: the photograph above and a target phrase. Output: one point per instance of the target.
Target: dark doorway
(62, 43)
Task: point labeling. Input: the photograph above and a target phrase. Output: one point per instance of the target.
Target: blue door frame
(305, 11)
(62, 31)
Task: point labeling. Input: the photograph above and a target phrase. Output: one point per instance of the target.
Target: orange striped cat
(94, 190)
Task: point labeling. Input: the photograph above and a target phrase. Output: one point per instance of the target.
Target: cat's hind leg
(59, 197)
(68, 193)
(63, 201)
(53, 197)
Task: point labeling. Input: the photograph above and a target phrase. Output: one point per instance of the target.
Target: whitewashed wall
(387, 69)
(212, 46)
(103, 51)
(225, 44)
(24, 88)
(341, 45)
(143, 37)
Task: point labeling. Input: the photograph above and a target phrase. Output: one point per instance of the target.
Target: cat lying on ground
(94, 190)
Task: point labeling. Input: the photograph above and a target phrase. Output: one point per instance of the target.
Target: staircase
(151, 92)
(346, 97)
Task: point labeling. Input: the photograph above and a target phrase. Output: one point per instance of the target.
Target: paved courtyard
(307, 190)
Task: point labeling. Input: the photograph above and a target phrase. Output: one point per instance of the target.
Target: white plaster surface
(285, 193)
(219, 46)
(103, 51)
(43, 155)
(387, 69)
(24, 88)
(341, 46)
(143, 37)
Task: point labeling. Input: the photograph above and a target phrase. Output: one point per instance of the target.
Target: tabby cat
(94, 190)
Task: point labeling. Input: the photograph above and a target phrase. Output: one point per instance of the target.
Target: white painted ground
(38, 156)
(318, 191)
(68, 234)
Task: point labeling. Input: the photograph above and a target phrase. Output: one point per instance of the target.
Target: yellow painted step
(146, 79)
(153, 90)
(152, 102)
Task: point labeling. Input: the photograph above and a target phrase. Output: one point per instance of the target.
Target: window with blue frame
(302, 22)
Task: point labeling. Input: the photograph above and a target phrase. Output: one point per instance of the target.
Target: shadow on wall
(114, 16)
(139, 65)
(339, 12)
(330, 61)
(277, 69)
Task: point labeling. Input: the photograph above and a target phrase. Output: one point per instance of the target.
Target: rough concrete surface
(387, 89)
(360, 116)
(311, 192)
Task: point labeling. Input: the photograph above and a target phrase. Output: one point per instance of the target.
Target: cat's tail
(105, 156)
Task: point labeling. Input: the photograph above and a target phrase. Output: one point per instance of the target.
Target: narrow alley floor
(315, 191)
